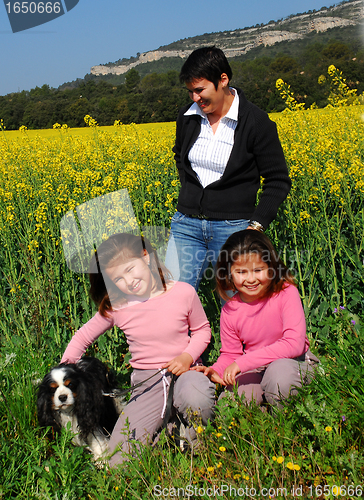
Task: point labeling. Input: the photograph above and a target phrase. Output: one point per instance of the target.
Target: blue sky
(100, 31)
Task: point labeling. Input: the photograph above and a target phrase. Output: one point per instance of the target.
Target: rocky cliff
(238, 42)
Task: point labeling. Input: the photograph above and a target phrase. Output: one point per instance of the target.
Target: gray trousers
(277, 381)
(143, 415)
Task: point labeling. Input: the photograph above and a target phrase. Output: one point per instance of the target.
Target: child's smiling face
(251, 276)
(132, 277)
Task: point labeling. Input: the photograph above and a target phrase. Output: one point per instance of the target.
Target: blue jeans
(195, 243)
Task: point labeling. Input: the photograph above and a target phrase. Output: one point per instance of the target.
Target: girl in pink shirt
(264, 346)
(165, 327)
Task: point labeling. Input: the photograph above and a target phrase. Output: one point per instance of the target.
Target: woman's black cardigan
(256, 153)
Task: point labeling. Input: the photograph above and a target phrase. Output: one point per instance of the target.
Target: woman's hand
(210, 373)
(230, 373)
(179, 364)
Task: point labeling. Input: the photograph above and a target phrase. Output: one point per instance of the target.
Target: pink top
(255, 334)
(156, 329)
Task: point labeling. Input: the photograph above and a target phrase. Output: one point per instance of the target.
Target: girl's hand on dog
(179, 364)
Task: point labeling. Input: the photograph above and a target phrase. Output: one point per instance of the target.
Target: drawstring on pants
(165, 392)
(168, 393)
(168, 397)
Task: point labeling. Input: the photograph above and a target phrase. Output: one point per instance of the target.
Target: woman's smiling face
(209, 99)
(251, 276)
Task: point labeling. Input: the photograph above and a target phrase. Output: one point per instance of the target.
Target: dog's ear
(44, 405)
(96, 369)
(88, 404)
(110, 380)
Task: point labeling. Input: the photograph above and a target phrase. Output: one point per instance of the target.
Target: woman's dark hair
(243, 243)
(207, 62)
(117, 249)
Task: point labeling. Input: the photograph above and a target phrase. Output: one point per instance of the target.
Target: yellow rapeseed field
(44, 174)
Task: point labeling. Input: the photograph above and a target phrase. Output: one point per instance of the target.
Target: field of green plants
(313, 448)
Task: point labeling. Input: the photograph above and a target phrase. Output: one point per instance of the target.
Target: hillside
(346, 16)
(147, 89)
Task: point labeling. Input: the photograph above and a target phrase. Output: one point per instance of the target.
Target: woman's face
(132, 277)
(251, 276)
(209, 99)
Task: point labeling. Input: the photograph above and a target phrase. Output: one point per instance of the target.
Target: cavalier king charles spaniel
(82, 394)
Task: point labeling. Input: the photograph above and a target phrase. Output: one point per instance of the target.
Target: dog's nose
(62, 398)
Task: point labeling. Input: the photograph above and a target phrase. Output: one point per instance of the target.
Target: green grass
(318, 232)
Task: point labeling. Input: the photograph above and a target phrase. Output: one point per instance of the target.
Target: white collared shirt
(210, 153)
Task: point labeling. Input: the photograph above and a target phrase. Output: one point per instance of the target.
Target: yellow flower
(222, 448)
(328, 428)
(322, 79)
(210, 469)
(331, 70)
(304, 216)
(290, 465)
(199, 429)
(91, 122)
(219, 465)
(280, 460)
(296, 467)
(218, 434)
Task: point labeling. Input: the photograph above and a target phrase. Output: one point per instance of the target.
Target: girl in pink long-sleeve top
(165, 327)
(264, 346)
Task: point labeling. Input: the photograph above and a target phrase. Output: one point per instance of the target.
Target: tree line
(157, 97)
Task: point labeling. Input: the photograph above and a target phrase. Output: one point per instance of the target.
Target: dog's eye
(53, 386)
(70, 384)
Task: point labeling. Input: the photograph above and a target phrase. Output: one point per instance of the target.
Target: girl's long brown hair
(120, 248)
(245, 242)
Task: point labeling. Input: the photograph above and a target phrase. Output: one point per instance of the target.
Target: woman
(224, 145)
